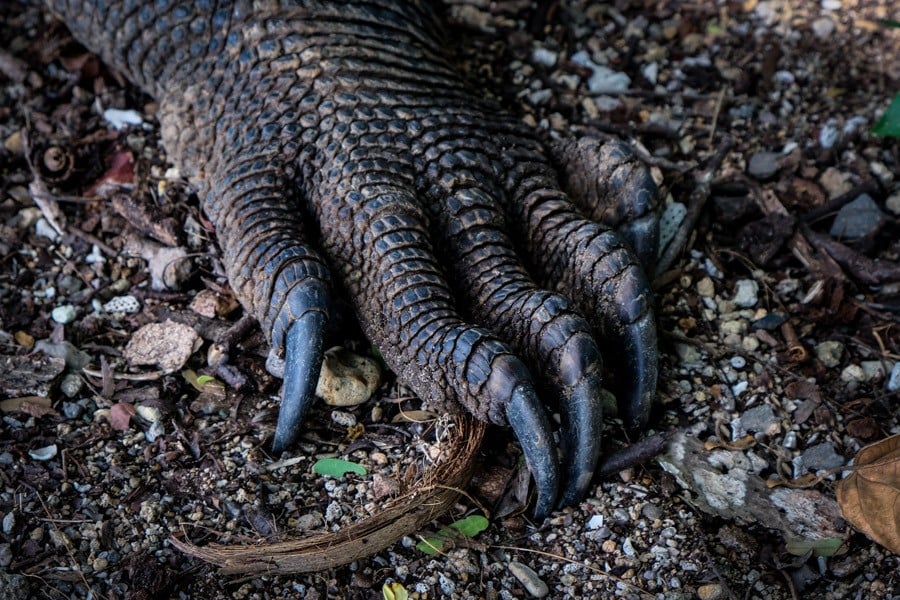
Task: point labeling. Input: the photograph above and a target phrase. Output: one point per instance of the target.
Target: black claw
(303, 350)
(582, 413)
(642, 235)
(640, 364)
(528, 420)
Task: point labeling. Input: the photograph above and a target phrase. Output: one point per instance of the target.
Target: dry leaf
(36, 406)
(120, 415)
(870, 496)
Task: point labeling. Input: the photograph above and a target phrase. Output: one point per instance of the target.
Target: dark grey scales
(333, 139)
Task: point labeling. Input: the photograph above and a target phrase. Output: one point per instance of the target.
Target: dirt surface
(779, 326)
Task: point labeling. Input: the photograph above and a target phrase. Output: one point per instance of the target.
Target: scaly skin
(333, 139)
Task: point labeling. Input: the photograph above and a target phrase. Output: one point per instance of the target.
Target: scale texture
(336, 150)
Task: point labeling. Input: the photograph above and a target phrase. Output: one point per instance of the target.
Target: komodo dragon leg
(333, 138)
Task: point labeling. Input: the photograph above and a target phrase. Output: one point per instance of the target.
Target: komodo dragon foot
(333, 138)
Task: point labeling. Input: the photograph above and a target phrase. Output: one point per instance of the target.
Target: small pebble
(533, 584)
(344, 419)
(738, 362)
(893, 203)
(44, 453)
(769, 322)
(44, 229)
(650, 71)
(874, 369)
(790, 440)
(764, 165)
(64, 314)
(71, 384)
(759, 418)
(100, 564)
(746, 293)
(830, 353)
(710, 591)
(595, 522)
(823, 27)
(853, 373)
(819, 457)
(6, 555)
(893, 383)
(651, 511)
(857, 219)
(545, 57)
(9, 522)
(706, 287)
(120, 119)
(72, 410)
(829, 134)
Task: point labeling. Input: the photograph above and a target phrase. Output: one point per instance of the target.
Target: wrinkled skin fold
(332, 142)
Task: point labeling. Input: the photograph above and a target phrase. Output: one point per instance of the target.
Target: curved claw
(528, 420)
(640, 366)
(303, 350)
(642, 235)
(582, 413)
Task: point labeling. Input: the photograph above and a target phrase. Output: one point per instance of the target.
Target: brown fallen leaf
(870, 496)
(120, 415)
(36, 406)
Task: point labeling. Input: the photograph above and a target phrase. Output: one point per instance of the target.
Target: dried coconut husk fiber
(429, 498)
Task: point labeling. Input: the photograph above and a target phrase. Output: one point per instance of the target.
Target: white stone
(64, 314)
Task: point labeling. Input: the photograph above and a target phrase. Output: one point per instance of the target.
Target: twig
(632, 455)
(863, 268)
(720, 99)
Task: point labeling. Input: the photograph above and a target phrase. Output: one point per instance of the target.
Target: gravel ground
(754, 116)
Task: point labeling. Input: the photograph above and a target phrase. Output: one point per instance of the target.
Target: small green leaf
(394, 591)
(468, 527)
(191, 377)
(889, 124)
(335, 467)
(471, 525)
(204, 379)
(889, 23)
(827, 547)
(431, 545)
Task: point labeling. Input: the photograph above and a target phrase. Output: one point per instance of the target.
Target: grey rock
(6, 555)
(830, 353)
(823, 27)
(746, 293)
(857, 219)
(64, 314)
(893, 383)
(829, 134)
(533, 584)
(758, 418)
(71, 384)
(764, 165)
(545, 57)
(893, 203)
(9, 522)
(817, 458)
(72, 410)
